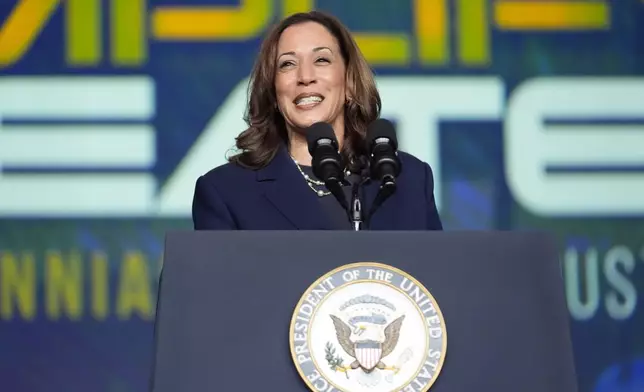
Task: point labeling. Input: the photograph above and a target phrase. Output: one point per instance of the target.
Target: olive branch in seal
(334, 361)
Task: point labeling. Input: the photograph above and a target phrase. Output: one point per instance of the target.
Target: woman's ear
(348, 96)
(349, 91)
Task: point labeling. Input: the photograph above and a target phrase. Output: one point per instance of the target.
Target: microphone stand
(356, 207)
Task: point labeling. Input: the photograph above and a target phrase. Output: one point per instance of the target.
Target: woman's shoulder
(415, 168)
(412, 162)
(229, 173)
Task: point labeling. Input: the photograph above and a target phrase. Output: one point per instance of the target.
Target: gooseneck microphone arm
(333, 181)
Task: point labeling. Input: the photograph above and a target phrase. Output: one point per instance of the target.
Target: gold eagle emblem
(367, 354)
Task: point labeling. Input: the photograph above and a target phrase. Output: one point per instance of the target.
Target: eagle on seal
(368, 354)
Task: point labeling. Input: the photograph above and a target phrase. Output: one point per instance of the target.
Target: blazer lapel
(384, 217)
(285, 187)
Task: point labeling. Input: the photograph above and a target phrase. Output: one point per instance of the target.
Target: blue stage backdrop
(530, 112)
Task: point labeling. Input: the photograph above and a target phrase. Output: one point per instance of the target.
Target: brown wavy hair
(266, 131)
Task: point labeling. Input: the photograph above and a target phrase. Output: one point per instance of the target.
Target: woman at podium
(309, 71)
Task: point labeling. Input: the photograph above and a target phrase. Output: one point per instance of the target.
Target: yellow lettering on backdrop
(134, 288)
(63, 285)
(29, 17)
(293, 6)
(100, 286)
(17, 283)
(378, 48)
(83, 30)
(128, 32)
(210, 22)
(549, 15)
(21, 28)
(474, 35)
(382, 49)
(432, 26)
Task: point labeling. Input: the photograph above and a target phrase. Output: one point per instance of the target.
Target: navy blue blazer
(277, 197)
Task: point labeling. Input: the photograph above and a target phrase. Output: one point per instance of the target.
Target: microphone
(326, 161)
(385, 165)
(382, 146)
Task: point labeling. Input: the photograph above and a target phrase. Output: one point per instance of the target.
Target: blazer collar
(285, 187)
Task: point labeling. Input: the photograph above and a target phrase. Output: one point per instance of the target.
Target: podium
(233, 307)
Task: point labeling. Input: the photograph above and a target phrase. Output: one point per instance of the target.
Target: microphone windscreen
(381, 128)
(317, 131)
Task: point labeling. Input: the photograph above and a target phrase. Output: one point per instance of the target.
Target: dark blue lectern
(226, 302)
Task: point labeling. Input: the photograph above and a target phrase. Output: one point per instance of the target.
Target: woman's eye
(322, 59)
(286, 64)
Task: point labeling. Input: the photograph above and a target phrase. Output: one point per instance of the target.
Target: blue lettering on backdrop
(529, 122)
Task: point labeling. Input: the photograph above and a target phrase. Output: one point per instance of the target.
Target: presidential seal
(368, 327)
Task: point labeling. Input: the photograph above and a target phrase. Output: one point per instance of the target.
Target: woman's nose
(306, 74)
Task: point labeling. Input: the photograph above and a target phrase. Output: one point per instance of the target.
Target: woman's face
(310, 77)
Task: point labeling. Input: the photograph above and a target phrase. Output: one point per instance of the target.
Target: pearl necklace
(310, 181)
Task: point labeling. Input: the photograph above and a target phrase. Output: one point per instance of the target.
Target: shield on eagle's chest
(368, 353)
